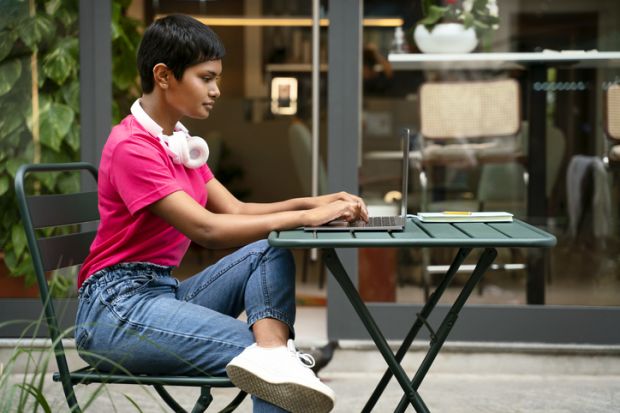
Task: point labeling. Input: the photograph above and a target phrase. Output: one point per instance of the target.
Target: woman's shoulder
(129, 133)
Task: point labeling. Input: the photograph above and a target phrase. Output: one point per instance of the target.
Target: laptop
(378, 223)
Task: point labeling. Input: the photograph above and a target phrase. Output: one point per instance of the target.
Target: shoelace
(306, 359)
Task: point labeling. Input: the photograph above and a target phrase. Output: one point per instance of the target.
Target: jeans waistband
(123, 271)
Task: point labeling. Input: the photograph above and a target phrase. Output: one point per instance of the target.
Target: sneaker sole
(289, 396)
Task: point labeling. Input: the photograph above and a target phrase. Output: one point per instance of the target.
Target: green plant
(39, 96)
(482, 15)
(126, 35)
(24, 376)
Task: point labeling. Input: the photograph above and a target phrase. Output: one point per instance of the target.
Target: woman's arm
(226, 230)
(222, 201)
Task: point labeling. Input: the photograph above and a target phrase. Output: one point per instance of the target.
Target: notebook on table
(378, 223)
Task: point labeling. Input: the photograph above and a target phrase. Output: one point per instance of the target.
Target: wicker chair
(469, 126)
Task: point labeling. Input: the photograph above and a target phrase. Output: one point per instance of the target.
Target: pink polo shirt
(135, 171)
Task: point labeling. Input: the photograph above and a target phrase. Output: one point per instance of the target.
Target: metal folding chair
(61, 251)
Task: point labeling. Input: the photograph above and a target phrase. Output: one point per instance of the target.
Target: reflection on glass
(563, 105)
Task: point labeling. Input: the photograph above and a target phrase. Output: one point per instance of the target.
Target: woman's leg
(272, 369)
(130, 316)
(256, 278)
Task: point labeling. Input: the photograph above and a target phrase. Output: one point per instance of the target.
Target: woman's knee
(282, 257)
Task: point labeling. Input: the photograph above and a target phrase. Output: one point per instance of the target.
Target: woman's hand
(350, 210)
(342, 196)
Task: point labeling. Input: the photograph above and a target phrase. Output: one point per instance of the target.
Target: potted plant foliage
(455, 26)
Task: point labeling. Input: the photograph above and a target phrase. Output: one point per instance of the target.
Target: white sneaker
(281, 376)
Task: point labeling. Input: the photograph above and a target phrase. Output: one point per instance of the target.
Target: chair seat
(89, 375)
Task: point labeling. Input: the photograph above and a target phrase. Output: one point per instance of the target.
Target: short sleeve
(206, 173)
(141, 173)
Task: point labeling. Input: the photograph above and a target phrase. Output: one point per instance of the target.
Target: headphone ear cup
(177, 143)
(197, 152)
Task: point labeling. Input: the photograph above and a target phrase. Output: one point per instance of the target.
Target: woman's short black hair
(178, 41)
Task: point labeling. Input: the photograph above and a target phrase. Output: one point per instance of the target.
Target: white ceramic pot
(445, 38)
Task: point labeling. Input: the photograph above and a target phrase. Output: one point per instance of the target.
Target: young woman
(153, 189)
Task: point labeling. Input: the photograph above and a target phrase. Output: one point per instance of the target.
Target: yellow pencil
(457, 212)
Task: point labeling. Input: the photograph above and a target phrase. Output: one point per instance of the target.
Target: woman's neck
(159, 112)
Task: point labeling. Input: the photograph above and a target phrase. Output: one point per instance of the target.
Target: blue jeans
(138, 316)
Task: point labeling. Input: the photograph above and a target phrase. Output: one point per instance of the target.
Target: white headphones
(191, 151)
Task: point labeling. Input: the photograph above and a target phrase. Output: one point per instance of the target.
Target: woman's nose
(214, 92)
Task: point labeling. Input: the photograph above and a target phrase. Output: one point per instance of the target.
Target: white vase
(445, 38)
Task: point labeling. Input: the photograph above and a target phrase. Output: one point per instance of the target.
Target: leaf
(10, 259)
(48, 181)
(435, 13)
(38, 395)
(4, 184)
(18, 237)
(61, 63)
(69, 183)
(12, 11)
(10, 121)
(13, 164)
(73, 137)
(67, 18)
(8, 40)
(10, 71)
(54, 124)
(34, 29)
(52, 6)
(116, 30)
(71, 94)
(468, 20)
(132, 401)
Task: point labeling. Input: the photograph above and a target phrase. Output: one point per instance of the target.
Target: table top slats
(299, 235)
(443, 231)
(480, 230)
(517, 229)
(419, 234)
(412, 231)
(374, 235)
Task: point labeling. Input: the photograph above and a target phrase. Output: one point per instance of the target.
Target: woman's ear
(160, 75)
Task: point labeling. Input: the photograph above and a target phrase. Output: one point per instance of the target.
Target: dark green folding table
(464, 236)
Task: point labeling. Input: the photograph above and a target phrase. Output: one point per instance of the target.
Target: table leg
(421, 318)
(337, 269)
(484, 262)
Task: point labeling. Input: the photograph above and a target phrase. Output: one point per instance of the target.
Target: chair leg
(204, 400)
(426, 275)
(166, 397)
(234, 403)
(321, 274)
(67, 387)
(306, 263)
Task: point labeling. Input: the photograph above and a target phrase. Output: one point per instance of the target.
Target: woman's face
(195, 93)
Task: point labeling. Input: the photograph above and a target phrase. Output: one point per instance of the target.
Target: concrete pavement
(465, 377)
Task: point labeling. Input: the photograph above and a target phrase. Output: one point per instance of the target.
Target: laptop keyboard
(378, 222)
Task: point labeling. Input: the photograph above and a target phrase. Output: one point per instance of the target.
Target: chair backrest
(300, 144)
(611, 123)
(471, 109)
(66, 211)
(612, 113)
